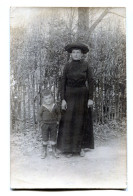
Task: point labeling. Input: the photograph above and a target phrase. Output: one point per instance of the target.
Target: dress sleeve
(90, 82)
(58, 112)
(63, 82)
(40, 114)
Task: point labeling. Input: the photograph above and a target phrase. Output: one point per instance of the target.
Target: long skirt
(75, 128)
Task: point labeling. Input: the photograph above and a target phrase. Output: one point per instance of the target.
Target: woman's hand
(64, 105)
(90, 103)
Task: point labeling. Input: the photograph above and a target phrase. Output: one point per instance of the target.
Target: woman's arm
(63, 83)
(90, 83)
(63, 89)
(90, 87)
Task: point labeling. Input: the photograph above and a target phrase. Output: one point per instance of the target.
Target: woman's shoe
(82, 153)
(56, 155)
(69, 155)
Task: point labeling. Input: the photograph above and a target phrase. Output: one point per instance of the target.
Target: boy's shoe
(82, 153)
(44, 154)
(56, 155)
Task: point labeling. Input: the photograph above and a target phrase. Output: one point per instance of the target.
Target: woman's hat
(80, 46)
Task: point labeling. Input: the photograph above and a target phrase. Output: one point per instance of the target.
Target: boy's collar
(50, 108)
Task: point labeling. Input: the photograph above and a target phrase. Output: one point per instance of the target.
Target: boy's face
(76, 54)
(48, 99)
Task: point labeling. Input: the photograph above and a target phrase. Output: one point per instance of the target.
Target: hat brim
(82, 47)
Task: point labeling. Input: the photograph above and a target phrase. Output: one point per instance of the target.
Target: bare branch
(117, 14)
(106, 11)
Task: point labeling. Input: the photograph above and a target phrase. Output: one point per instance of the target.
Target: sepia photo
(68, 126)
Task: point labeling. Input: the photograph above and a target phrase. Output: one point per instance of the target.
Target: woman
(75, 129)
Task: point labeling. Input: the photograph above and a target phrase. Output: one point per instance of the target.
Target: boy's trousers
(49, 132)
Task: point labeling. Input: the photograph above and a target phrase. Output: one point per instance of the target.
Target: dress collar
(76, 60)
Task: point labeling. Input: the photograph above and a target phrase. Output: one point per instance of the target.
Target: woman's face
(76, 54)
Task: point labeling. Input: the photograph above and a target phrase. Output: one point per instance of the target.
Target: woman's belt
(76, 84)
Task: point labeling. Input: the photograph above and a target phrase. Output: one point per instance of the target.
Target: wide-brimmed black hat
(84, 48)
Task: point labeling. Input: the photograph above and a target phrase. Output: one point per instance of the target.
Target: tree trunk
(83, 24)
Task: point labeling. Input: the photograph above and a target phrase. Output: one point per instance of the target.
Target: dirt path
(103, 167)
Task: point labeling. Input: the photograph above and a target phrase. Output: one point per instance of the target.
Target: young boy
(48, 117)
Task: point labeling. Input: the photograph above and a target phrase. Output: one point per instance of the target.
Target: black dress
(76, 128)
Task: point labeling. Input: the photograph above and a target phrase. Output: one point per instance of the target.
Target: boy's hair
(46, 92)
